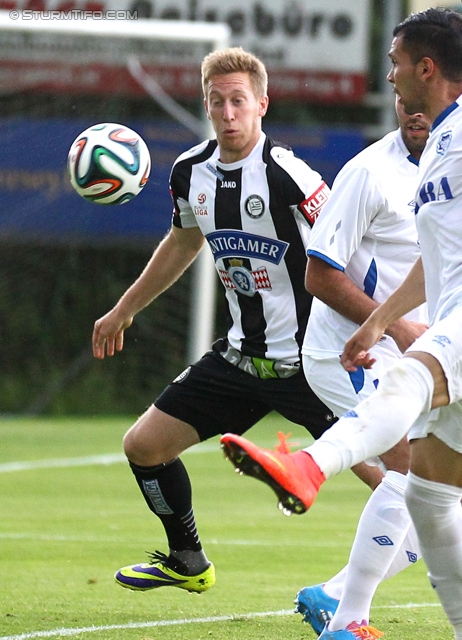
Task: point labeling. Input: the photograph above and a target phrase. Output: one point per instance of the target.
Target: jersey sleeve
(307, 192)
(354, 201)
(183, 215)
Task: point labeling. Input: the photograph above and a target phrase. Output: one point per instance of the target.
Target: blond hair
(235, 60)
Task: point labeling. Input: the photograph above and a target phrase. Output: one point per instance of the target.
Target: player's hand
(108, 334)
(356, 351)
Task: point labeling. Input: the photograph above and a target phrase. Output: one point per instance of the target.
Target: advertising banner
(40, 205)
(315, 50)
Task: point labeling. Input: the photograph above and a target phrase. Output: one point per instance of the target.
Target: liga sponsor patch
(312, 206)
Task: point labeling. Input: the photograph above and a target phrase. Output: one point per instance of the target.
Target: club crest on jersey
(244, 281)
(254, 206)
(443, 143)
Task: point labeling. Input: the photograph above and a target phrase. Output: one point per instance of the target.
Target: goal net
(67, 261)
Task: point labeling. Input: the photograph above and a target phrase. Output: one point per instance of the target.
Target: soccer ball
(108, 164)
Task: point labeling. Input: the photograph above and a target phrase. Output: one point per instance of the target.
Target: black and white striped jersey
(255, 215)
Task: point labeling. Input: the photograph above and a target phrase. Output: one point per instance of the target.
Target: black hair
(437, 34)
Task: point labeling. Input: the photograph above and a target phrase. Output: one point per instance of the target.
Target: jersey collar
(444, 114)
(405, 150)
(255, 153)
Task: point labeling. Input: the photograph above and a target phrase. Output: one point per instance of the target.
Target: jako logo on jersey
(254, 206)
(429, 192)
(228, 184)
(443, 143)
(229, 243)
(312, 206)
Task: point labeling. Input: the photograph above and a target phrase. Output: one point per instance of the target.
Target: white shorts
(340, 390)
(443, 341)
(445, 423)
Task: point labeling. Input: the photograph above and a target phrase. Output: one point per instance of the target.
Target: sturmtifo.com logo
(74, 14)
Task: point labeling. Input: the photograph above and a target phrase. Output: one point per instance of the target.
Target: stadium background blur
(64, 262)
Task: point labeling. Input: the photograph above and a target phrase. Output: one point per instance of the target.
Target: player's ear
(264, 102)
(426, 67)
(206, 107)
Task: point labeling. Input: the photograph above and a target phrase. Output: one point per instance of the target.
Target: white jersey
(256, 215)
(367, 229)
(439, 212)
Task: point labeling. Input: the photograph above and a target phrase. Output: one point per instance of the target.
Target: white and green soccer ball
(108, 163)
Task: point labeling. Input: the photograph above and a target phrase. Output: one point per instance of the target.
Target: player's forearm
(168, 262)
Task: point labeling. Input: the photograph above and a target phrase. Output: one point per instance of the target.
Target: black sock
(167, 491)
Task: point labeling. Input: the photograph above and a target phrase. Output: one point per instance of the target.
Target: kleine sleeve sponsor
(311, 207)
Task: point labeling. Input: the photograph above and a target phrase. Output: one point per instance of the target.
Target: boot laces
(157, 556)
(365, 632)
(284, 445)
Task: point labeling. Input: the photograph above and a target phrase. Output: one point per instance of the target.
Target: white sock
(381, 531)
(335, 585)
(437, 514)
(408, 553)
(377, 423)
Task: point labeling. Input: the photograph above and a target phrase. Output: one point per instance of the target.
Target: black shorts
(215, 397)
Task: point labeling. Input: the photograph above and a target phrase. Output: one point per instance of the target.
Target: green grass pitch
(68, 522)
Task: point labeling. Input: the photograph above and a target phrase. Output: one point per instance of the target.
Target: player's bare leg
(157, 438)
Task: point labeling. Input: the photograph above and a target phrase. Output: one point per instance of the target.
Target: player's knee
(410, 379)
(131, 446)
(141, 447)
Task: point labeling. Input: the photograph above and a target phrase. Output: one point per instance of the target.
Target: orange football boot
(294, 477)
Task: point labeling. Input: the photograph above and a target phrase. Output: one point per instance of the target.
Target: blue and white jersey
(256, 215)
(439, 212)
(367, 229)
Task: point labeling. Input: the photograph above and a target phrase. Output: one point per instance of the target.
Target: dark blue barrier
(38, 203)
